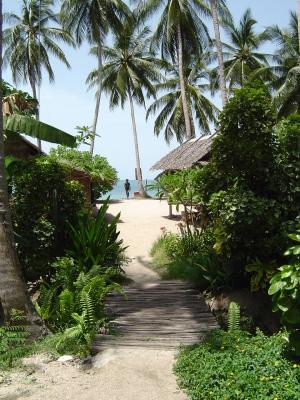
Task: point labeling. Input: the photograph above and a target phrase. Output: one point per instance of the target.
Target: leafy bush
(94, 242)
(12, 340)
(238, 366)
(103, 174)
(251, 185)
(189, 256)
(73, 302)
(285, 292)
(246, 225)
(43, 202)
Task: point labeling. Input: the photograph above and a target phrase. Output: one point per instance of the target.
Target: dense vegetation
(247, 203)
(103, 175)
(241, 209)
(238, 366)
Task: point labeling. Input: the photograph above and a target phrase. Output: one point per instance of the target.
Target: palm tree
(29, 41)
(298, 18)
(128, 71)
(180, 32)
(284, 75)
(219, 9)
(13, 293)
(91, 20)
(202, 110)
(242, 55)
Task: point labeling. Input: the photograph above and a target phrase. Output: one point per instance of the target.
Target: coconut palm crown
(128, 73)
(31, 38)
(91, 20)
(284, 75)
(170, 120)
(242, 56)
(180, 32)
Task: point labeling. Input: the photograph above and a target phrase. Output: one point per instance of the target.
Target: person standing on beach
(127, 188)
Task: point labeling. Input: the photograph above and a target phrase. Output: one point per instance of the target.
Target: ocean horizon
(118, 191)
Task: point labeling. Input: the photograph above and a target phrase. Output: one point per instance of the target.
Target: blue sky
(67, 103)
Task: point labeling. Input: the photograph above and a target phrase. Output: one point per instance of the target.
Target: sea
(118, 192)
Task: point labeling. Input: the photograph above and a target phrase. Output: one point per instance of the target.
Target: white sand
(141, 225)
(138, 374)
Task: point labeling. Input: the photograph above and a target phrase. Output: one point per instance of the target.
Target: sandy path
(141, 225)
(118, 374)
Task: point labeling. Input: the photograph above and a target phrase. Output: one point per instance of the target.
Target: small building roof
(190, 153)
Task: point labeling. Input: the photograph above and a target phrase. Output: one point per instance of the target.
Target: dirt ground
(114, 374)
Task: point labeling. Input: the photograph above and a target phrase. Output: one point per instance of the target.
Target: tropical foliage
(286, 71)
(92, 20)
(179, 33)
(44, 201)
(285, 292)
(242, 54)
(102, 174)
(238, 366)
(30, 40)
(129, 70)
(73, 299)
(202, 111)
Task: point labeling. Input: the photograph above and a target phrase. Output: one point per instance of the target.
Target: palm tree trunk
(243, 73)
(98, 99)
(13, 292)
(187, 120)
(219, 51)
(298, 16)
(37, 113)
(137, 152)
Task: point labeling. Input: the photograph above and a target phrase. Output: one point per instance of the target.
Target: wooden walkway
(162, 315)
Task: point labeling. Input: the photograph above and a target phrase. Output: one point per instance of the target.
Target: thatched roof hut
(190, 153)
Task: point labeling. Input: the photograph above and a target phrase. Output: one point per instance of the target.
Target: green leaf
(276, 287)
(29, 126)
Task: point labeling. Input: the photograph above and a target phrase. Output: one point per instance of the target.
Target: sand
(116, 374)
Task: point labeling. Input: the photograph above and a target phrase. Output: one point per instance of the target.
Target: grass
(238, 366)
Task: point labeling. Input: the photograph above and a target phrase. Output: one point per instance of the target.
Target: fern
(233, 317)
(12, 339)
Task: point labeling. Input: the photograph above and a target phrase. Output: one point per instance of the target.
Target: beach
(141, 224)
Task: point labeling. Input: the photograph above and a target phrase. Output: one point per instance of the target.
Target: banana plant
(17, 123)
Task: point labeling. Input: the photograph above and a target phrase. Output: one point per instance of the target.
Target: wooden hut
(190, 153)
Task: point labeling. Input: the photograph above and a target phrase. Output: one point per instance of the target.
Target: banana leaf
(29, 126)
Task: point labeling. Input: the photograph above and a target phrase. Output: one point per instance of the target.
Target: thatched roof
(190, 153)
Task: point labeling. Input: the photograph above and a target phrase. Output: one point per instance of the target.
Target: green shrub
(246, 225)
(43, 202)
(95, 242)
(73, 302)
(103, 174)
(238, 366)
(285, 292)
(189, 256)
(13, 337)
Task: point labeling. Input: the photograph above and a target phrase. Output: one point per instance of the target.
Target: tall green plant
(203, 112)
(242, 55)
(129, 71)
(179, 33)
(91, 20)
(94, 242)
(44, 200)
(285, 292)
(30, 40)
